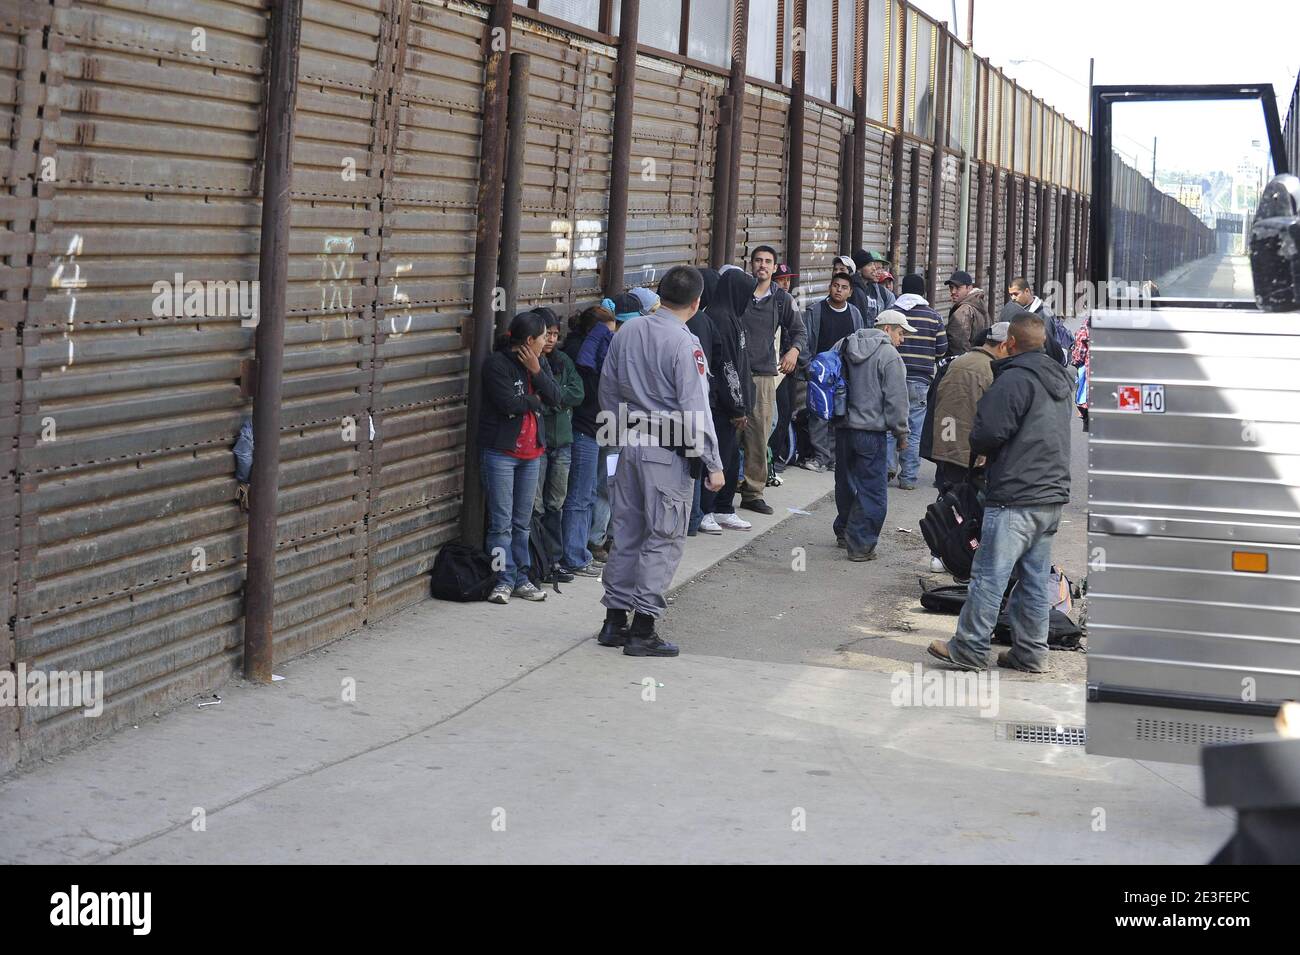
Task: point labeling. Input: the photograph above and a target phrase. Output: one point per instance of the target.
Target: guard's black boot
(614, 631)
(642, 641)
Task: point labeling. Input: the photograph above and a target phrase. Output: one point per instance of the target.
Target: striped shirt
(920, 349)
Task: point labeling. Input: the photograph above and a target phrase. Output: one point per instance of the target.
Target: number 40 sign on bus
(1146, 399)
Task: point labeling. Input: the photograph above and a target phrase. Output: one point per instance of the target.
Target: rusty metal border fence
(132, 170)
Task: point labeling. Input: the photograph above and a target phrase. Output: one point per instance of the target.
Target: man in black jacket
(731, 394)
(1022, 431)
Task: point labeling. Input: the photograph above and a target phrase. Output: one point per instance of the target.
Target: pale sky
(1133, 41)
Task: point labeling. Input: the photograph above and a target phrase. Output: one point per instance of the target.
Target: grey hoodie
(876, 381)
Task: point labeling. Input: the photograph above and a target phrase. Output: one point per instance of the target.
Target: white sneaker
(709, 526)
(732, 522)
(936, 566)
(528, 591)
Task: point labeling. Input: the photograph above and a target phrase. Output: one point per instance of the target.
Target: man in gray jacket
(875, 382)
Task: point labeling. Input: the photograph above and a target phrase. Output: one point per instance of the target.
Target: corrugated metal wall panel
(1029, 235)
(760, 206)
(556, 98)
(23, 88)
(597, 148)
(1017, 185)
(949, 213)
(925, 172)
(132, 540)
(877, 189)
(340, 125)
(421, 388)
(823, 140)
(672, 129)
(997, 287)
(982, 245)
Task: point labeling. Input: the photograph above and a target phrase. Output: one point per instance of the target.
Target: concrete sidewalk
(488, 734)
(412, 672)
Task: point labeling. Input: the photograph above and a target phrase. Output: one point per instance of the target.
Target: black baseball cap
(863, 257)
(960, 278)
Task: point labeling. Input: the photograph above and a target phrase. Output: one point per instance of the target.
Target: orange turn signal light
(1250, 562)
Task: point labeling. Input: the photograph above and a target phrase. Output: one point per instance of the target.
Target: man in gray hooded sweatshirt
(876, 390)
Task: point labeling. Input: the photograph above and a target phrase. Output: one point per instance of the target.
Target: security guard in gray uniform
(654, 391)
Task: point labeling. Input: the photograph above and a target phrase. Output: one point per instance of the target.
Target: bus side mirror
(1275, 246)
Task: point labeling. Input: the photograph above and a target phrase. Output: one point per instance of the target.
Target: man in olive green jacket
(963, 384)
(553, 476)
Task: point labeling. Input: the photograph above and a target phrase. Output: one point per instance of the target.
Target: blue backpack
(826, 384)
(1061, 335)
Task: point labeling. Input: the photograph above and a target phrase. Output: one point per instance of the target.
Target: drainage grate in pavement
(1055, 733)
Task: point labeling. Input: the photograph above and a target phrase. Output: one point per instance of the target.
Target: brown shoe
(939, 650)
(1005, 661)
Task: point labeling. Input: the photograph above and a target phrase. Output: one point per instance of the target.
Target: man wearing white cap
(875, 382)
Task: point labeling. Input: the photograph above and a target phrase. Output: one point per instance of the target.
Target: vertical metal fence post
(487, 240)
(796, 123)
(736, 87)
(512, 212)
(620, 162)
(273, 268)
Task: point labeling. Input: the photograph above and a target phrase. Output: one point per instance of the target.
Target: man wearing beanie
(920, 349)
(869, 296)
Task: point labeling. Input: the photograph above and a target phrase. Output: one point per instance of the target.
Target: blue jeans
(861, 487)
(548, 505)
(510, 486)
(917, 393)
(576, 520)
(600, 503)
(1015, 539)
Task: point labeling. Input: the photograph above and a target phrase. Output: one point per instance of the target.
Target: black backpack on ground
(540, 561)
(948, 598)
(951, 527)
(1062, 632)
(462, 573)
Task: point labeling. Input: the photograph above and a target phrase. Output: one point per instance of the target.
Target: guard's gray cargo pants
(650, 499)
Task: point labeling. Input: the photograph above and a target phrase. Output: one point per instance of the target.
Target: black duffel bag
(462, 573)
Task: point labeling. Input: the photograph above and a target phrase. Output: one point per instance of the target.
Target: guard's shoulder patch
(700, 365)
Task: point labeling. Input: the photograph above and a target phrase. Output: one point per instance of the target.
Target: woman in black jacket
(511, 440)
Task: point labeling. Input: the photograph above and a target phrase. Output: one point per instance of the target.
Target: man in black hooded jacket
(731, 394)
(1022, 430)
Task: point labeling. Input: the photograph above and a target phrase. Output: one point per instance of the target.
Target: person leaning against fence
(512, 441)
(553, 475)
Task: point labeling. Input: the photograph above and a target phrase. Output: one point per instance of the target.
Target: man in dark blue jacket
(1022, 431)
